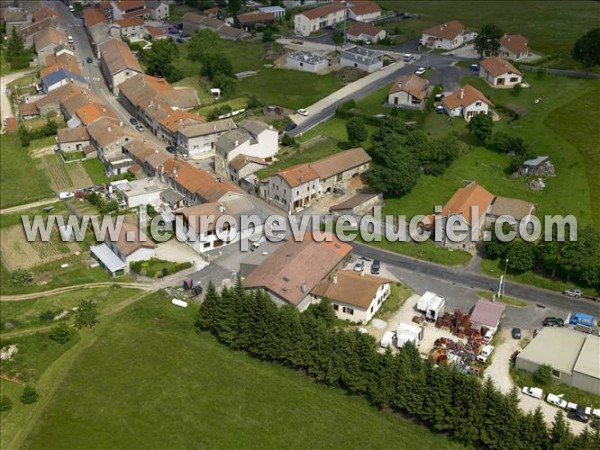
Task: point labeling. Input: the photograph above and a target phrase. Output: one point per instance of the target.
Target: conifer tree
(205, 319)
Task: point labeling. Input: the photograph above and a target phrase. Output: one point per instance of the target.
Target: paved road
(91, 71)
(461, 277)
(444, 71)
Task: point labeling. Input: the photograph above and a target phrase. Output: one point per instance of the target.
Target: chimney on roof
(109, 129)
(236, 143)
(335, 279)
(362, 272)
(304, 288)
(462, 94)
(221, 208)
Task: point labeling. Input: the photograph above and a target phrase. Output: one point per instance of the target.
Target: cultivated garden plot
(18, 253)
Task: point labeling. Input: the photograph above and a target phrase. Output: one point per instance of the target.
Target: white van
(387, 339)
(70, 39)
(407, 57)
(533, 392)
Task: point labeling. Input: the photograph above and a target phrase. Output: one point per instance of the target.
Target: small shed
(487, 314)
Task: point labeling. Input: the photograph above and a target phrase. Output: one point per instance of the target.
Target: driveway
(498, 371)
(176, 251)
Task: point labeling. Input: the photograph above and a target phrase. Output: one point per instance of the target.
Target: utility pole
(345, 20)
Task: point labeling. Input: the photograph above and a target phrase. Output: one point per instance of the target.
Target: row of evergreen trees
(448, 401)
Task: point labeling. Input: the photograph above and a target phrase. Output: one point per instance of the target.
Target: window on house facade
(336, 307)
(349, 311)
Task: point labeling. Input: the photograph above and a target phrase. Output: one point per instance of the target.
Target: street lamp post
(504, 282)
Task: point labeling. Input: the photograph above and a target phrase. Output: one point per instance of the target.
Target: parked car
(420, 71)
(439, 109)
(140, 128)
(553, 322)
(170, 149)
(375, 267)
(594, 412)
(302, 112)
(474, 67)
(556, 401)
(368, 42)
(359, 265)
(485, 353)
(133, 121)
(488, 336)
(89, 60)
(70, 39)
(575, 293)
(579, 415)
(533, 392)
(290, 127)
(439, 97)
(516, 333)
(65, 195)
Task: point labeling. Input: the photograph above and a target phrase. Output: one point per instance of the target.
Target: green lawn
(426, 251)
(52, 276)
(495, 268)
(548, 25)
(301, 155)
(289, 88)
(95, 170)
(489, 168)
(22, 182)
(150, 381)
(579, 124)
(399, 293)
(25, 313)
(36, 353)
(505, 299)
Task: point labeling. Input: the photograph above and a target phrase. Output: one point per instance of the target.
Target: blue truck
(586, 320)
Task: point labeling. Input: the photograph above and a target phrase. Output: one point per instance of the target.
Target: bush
(29, 395)
(543, 375)
(288, 141)
(516, 90)
(46, 316)
(5, 403)
(61, 334)
(218, 111)
(21, 277)
(20, 62)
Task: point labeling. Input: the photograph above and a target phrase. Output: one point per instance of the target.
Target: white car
(533, 392)
(420, 71)
(556, 401)
(592, 412)
(302, 112)
(359, 265)
(65, 195)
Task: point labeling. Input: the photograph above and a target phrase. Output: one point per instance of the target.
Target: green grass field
(289, 88)
(149, 381)
(22, 182)
(549, 25)
(572, 157)
(95, 170)
(25, 313)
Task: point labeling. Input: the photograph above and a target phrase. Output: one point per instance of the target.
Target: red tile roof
(497, 67)
(447, 30)
(323, 10)
(514, 43)
(465, 96)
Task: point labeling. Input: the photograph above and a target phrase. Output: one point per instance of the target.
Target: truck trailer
(432, 305)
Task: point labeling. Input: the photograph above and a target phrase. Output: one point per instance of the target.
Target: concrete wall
(293, 63)
(72, 146)
(444, 44)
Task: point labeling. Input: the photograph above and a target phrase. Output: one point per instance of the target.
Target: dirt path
(5, 103)
(19, 208)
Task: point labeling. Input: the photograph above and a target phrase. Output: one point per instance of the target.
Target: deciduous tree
(481, 126)
(487, 42)
(587, 49)
(87, 314)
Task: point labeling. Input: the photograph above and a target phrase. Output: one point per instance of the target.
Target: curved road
(461, 277)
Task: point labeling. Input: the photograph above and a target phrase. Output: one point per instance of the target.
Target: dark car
(171, 149)
(89, 60)
(140, 128)
(133, 121)
(579, 415)
(290, 127)
(375, 267)
(516, 333)
(553, 322)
